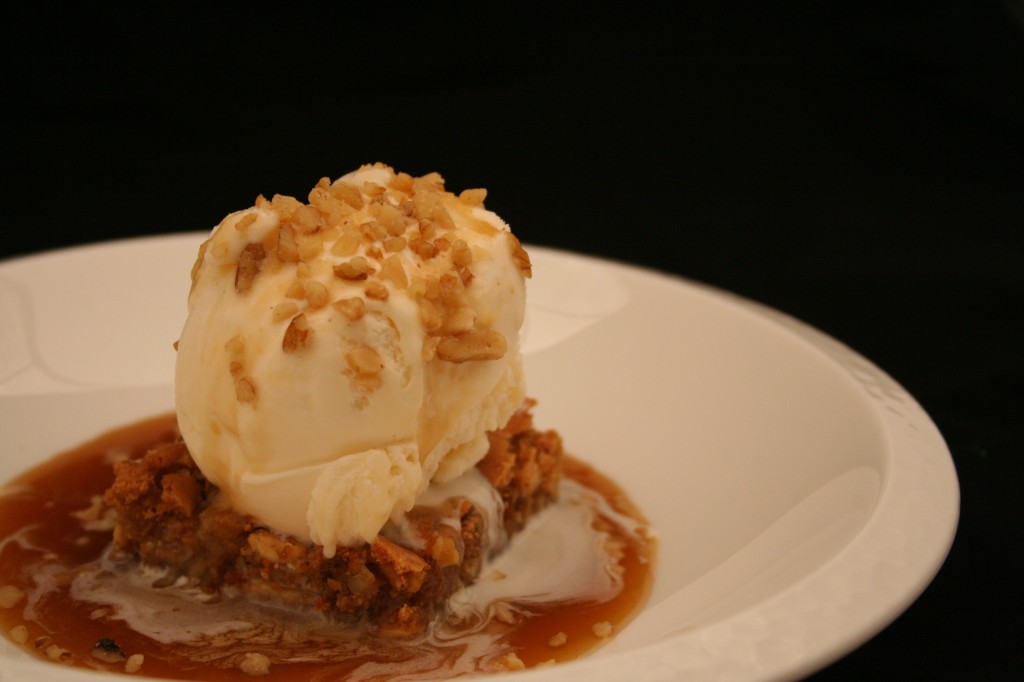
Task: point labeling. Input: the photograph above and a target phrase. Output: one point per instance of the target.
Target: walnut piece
(352, 308)
(476, 344)
(249, 263)
(521, 258)
(363, 359)
(298, 335)
(353, 269)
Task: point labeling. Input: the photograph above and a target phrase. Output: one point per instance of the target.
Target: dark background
(860, 166)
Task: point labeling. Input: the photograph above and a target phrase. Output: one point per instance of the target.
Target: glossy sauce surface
(59, 595)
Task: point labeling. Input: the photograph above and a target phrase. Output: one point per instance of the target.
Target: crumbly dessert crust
(168, 515)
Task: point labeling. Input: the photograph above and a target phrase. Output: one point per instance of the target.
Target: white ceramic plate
(803, 499)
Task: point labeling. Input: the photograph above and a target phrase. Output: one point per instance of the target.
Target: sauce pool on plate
(562, 588)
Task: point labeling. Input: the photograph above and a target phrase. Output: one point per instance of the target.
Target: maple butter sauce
(579, 572)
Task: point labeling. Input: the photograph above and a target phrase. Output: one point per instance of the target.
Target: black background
(859, 166)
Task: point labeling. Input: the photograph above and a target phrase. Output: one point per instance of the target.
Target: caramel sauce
(43, 546)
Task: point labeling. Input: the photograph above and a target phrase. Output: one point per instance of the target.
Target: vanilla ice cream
(341, 354)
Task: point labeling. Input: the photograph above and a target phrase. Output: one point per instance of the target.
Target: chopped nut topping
(424, 203)
(431, 182)
(509, 661)
(558, 639)
(305, 219)
(10, 596)
(255, 664)
(368, 383)
(402, 182)
(428, 287)
(350, 194)
(462, 255)
(459, 320)
(363, 359)
(330, 234)
(430, 315)
(453, 291)
(377, 233)
(602, 629)
(317, 294)
(57, 653)
(428, 230)
(235, 345)
(443, 218)
(423, 248)
(430, 348)
(283, 311)
(287, 246)
(245, 390)
(392, 220)
(393, 271)
(297, 336)
(19, 634)
(482, 227)
(220, 250)
(285, 206)
(354, 269)
(347, 244)
(297, 290)
(352, 308)
(372, 189)
(427, 210)
(519, 255)
(473, 197)
(310, 247)
(134, 663)
(249, 263)
(477, 344)
(376, 291)
(373, 231)
(332, 209)
(198, 265)
(503, 613)
(245, 222)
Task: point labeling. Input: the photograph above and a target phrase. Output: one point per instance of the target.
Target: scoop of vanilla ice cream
(341, 354)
